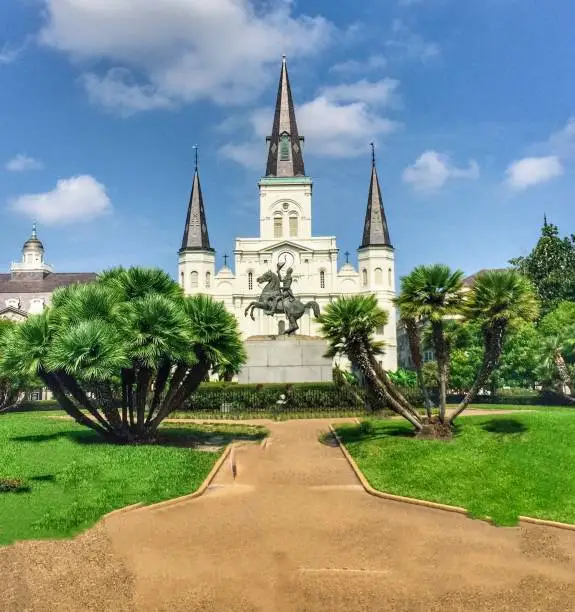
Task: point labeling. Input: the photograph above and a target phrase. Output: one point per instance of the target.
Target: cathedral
(285, 238)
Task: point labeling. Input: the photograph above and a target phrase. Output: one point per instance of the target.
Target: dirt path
(295, 532)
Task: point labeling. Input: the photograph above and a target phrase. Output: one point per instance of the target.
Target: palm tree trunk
(143, 380)
(51, 381)
(442, 358)
(493, 347)
(414, 340)
(563, 372)
(360, 357)
(159, 387)
(190, 382)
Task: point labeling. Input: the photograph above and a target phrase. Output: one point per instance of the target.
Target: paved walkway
(295, 532)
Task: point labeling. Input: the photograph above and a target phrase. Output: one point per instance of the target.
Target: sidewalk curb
(429, 504)
(140, 506)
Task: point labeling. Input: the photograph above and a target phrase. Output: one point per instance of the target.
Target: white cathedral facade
(285, 236)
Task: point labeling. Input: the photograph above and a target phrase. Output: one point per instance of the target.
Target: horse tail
(314, 306)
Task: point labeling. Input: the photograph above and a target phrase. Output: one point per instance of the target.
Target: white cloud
(381, 92)
(22, 162)
(181, 50)
(339, 122)
(10, 54)
(79, 198)
(411, 45)
(432, 170)
(531, 171)
(562, 142)
(373, 62)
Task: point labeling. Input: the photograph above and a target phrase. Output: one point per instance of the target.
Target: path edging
(422, 502)
(140, 506)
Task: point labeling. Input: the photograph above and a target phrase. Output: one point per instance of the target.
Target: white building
(286, 235)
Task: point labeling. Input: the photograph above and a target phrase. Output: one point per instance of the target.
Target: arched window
(193, 279)
(378, 274)
(281, 327)
(364, 277)
(208, 280)
(379, 330)
(250, 280)
(322, 279)
(278, 226)
(182, 279)
(293, 226)
(389, 277)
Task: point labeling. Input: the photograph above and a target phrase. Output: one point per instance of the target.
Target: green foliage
(517, 455)
(551, 267)
(350, 320)
(404, 378)
(12, 385)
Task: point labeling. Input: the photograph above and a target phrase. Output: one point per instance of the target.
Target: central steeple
(285, 158)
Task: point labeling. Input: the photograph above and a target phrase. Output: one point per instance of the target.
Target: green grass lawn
(75, 478)
(499, 466)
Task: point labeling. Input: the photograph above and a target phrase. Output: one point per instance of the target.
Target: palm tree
(499, 300)
(349, 324)
(123, 352)
(552, 363)
(429, 294)
(12, 388)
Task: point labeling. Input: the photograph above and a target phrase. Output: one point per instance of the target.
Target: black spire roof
(196, 236)
(375, 231)
(285, 157)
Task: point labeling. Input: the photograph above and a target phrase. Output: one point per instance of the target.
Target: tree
(349, 324)
(430, 294)
(556, 348)
(12, 388)
(122, 353)
(551, 267)
(499, 300)
(518, 363)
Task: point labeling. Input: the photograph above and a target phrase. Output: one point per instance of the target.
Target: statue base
(286, 359)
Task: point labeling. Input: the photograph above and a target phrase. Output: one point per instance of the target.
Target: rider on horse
(285, 291)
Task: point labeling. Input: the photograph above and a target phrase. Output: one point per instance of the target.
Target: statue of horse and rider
(278, 298)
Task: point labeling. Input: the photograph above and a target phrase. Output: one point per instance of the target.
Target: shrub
(13, 485)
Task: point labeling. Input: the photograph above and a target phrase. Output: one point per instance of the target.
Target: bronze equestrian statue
(278, 298)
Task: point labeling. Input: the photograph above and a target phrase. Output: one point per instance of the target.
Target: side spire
(196, 236)
(375, 230)
(285, 157)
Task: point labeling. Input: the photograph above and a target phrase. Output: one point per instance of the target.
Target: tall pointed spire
(375, 231)
(196, 236)
(285, 157)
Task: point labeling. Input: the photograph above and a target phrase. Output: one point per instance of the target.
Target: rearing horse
(293, 310)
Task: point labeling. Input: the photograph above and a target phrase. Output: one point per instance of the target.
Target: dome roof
(33, 242)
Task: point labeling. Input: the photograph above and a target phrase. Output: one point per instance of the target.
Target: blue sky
(471, 104)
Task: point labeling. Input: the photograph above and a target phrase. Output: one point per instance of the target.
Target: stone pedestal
(286, 359)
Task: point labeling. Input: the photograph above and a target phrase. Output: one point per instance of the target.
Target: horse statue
(271, 302)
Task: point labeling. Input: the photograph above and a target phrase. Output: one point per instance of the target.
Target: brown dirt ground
(295, 532)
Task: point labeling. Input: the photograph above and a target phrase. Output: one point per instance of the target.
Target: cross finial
(372, 153)
(196, 156)
(226, 260)
(34, 235)
(284, 58)
(346, 257)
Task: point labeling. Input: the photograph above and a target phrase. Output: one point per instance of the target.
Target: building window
(322, 279)
(250, 280)
(293, 226)
(364, 277)
(284, 148)
(378, 274)
(379, 330)
(208, 280)
(389, 277)
(193, 279)
(278, 227)
(182, 279)
(281, 327)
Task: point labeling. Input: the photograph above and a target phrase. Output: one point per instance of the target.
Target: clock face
(286, 259)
